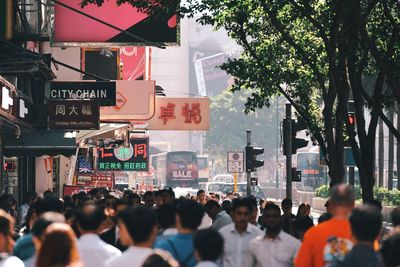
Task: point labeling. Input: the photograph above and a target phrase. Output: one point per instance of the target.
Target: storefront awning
(39, 143)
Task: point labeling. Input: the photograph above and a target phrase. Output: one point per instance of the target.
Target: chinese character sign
(73, 114)
(132, 158)
(181, 114)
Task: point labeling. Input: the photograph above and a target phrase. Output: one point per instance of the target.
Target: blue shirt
(180, 246)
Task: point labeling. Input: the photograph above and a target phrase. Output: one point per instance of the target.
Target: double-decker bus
(312, 173)
(204, 169)
(176, 169)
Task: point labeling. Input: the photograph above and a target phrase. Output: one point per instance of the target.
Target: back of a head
(139, 222)
(6, 223)
(390, 250)
(160, 259)
(395, 215)
(287, 202)
(190, 214)
(211, 204)
(166, 216)
(209, 244)
(366, 223)
(90, 217)
(58, 247)
(342, 195)
(50, 203)
(47, 218)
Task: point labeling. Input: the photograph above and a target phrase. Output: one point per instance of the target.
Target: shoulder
(118, 260)
(226, 229)
(255, 230)
(290, 239)
(111, 249)
(164, 243)
(12, 261)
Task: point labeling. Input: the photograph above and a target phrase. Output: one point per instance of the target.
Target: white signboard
(235, 162)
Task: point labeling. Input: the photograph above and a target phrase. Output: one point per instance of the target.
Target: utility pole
(248, 173)
(277, 144)
(288, 147)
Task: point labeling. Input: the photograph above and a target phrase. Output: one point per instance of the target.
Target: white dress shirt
(132, 257)
(236, 245)
(206, 264)
(95, 252)
(11, 261)
(278, 252)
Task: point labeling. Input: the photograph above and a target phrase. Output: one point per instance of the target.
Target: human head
(254, 210)
(341, 200)
(167, 195)
(166, 214)
(189, 215)
(390, 250)
(396, 216)
(272, 218)
(374, 202)
(90, 218)
(304, 210)
(148, 199)
(120, 205)
(201, 196)
(29, 197)
(59, 247)
(287, 205)
(157, 198)
(138, 225)
(6, 232)
(132, 197)
(241, 213)
(208, 245)
(49, 203)
(41, 225)
(227, 206)
(212, 208)
(366, 223)
(160, 259)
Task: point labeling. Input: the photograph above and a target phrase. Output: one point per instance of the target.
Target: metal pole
(289, 151)
(248, 143)
(235, 177)
(277, 144)
(351, 175)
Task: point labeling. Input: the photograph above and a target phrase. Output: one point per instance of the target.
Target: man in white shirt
(217, 214)
(275, 248)
(94, 252)
(237, 235)
(138, 230)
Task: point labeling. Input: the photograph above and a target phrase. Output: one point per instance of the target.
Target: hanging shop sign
(135, 100)
(84, 161)
(132, 158)
(181, 114)
(74, 29)
(96, 180)
(102, 92)
(73, 115)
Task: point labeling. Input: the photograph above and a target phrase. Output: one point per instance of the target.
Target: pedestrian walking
(208, 245)
(217, 214)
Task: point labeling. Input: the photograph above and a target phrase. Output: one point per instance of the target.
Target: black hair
(209, 244)
(272, 207)
(227, 205)
(287, 202)
(139, 222)
(390, 250)
(169, 191)
(395, 215)
(39, 227)
(241, 202)
(157, 193)
(166, 216)
(148, 193)
(200, 192)
(190, 213)
(49, 204)
(366, 223)
(90, 217)
(122, 201)
(160, 259)
(374, 202)
(210, 204)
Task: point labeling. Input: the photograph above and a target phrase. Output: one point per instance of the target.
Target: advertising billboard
(72, 28)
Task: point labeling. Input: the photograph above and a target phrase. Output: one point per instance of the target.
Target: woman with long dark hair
(59, 248)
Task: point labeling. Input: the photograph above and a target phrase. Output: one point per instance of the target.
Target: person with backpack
(180, 246)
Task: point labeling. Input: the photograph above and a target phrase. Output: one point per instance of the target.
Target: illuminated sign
(96, 180)
(132, 158)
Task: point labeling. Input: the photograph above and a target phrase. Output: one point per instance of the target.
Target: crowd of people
(155, 229)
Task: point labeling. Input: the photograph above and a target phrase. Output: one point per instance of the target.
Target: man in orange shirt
(329, 241)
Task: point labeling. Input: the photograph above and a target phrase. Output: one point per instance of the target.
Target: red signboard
(96, 180)
(74, 29)
(70, 190)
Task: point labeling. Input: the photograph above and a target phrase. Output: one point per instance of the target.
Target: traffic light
(351, 114)
(296, 175)
(252, 163)
(296, 142)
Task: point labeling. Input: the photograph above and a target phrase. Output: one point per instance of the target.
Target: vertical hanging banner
(85, 161)
(132, 158)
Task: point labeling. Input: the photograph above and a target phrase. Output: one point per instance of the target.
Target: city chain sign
(102, 92)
